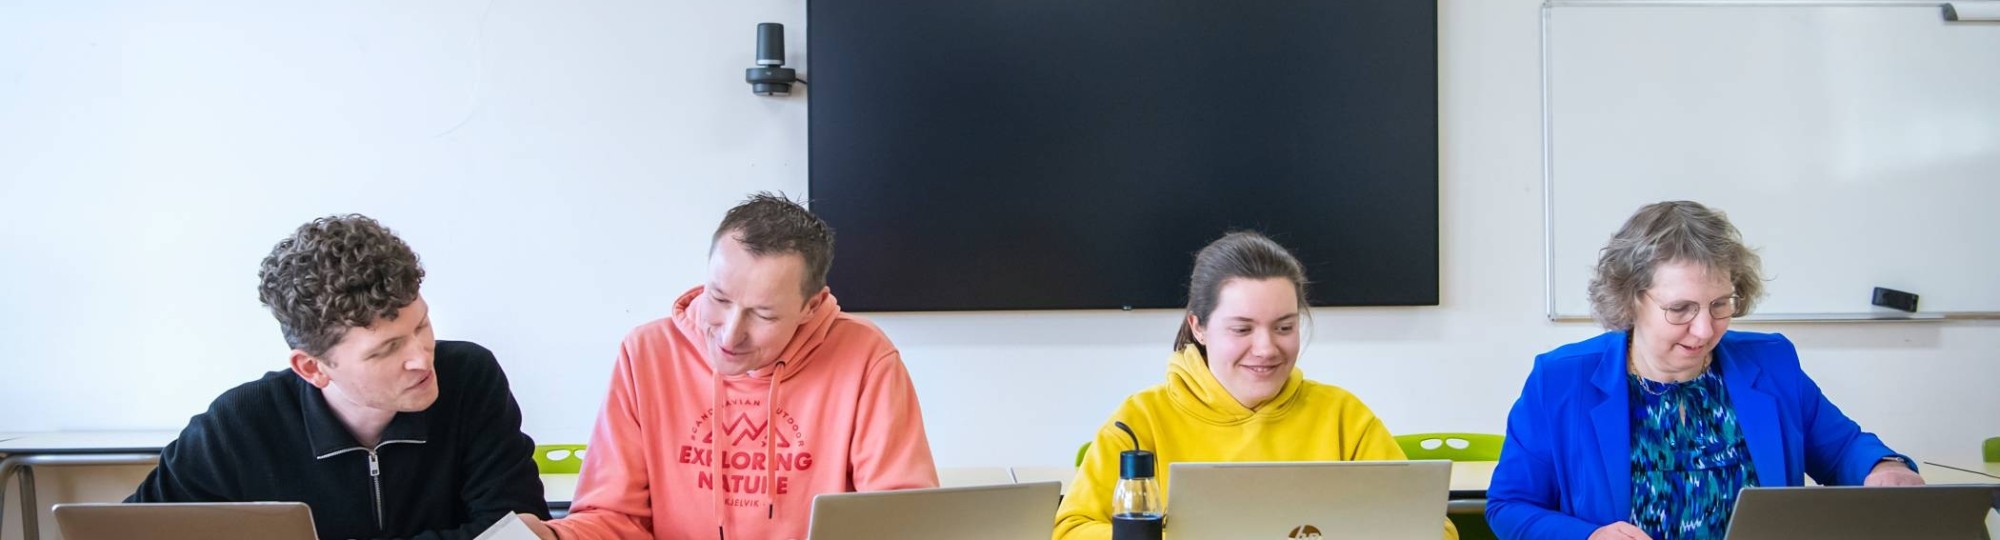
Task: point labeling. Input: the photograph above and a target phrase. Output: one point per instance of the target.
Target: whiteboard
(1855, 144)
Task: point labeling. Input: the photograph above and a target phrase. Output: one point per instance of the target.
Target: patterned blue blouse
(1688, 457)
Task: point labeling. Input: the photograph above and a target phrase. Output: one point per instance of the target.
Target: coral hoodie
(682, 452)
(1192, 418)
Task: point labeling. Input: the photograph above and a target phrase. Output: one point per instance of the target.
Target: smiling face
(1252, 337)
(1668, 352)
(751, 306)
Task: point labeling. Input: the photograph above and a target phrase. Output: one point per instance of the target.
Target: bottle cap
(1135, 464)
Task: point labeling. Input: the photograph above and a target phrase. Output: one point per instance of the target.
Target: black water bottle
(1138, 512)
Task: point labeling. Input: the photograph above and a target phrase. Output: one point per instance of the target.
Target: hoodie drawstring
(715, 455)
(771, 442)
(715, 435)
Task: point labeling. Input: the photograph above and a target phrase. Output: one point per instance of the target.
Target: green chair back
(1451, 446)
(559, 458)
(1993, 450)
(1457, 447)
(1081, 450)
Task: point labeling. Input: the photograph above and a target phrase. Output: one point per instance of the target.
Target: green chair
(559, 458)
(1993, 450)
(1081, 450)
(1470, 517)
(1451, 446)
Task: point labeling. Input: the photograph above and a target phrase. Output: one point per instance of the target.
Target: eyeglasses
(1683, 312)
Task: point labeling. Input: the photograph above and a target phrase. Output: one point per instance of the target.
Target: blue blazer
(1566, 466)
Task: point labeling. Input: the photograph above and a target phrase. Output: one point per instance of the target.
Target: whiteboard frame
(1549, 175)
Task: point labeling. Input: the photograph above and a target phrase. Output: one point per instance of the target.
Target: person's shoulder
(660, 342)
(469, 369)
(1156, 392)
(248, 409)
(651, 331)
(1150, 406)
(1332, 397)
(1769, 351)
(851, 328)
(1577, 359)
(274, 389)
(856, 341)
(465, 356)
(1328, 393)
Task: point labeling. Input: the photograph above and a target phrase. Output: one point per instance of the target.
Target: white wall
(560, 167)
(557, 166)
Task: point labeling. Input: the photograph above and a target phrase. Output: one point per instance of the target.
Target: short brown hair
(336, 273)
(1669, 232)
(1237, 255)
(769, 224)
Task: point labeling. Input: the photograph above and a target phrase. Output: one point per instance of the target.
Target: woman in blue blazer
(1650, 429)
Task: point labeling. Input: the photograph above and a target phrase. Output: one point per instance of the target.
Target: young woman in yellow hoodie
(1233, 391)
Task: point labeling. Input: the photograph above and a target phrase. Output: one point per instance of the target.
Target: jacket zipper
(375, 478)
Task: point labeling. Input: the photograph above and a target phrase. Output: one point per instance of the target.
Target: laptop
(1331, 499)
(1844, 513)
(185, 521)
(996, 512)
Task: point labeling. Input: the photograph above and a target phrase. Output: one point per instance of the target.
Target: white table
(1028, 475)
(22, 452)
(559, 490)
(1937, 472)
(1468, 483)
(25, 451)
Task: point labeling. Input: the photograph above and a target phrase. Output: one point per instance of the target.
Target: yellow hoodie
(1193, 418)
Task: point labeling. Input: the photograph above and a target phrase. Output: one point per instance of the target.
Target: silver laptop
(1336, 499)
(997, 512)
(1844, 513)
(185, 521)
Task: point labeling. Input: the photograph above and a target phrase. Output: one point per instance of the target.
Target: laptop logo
(1303, 532)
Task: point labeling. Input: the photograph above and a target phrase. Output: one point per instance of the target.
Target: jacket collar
(1612, 418)
(327, 435)
(1756, 412)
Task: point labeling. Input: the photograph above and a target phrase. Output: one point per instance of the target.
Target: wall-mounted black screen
(1058, 154)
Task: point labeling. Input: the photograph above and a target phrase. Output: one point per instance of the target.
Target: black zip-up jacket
(447, 472)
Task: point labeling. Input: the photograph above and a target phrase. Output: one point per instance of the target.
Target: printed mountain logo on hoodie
(754, 455)
(744, 428)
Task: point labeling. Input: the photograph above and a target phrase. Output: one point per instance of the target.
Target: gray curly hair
(1667, 232)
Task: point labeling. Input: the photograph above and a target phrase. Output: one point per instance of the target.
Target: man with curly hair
(380, 428)
(726, 417)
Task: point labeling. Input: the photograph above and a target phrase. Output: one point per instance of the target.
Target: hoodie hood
(797, 353)
(836, 411)
(1195, 391)
(791, 360)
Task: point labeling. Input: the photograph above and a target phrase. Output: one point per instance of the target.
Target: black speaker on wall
(770, 77)
(1054, 154)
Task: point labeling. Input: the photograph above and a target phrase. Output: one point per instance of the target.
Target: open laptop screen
(997, 512)
(1341, 499)
(1843, 513)
(185, 521)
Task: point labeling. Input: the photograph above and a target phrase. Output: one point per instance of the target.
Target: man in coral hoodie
(726, 418)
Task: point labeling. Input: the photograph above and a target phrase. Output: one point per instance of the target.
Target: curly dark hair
(770, 224)
(336, 273)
